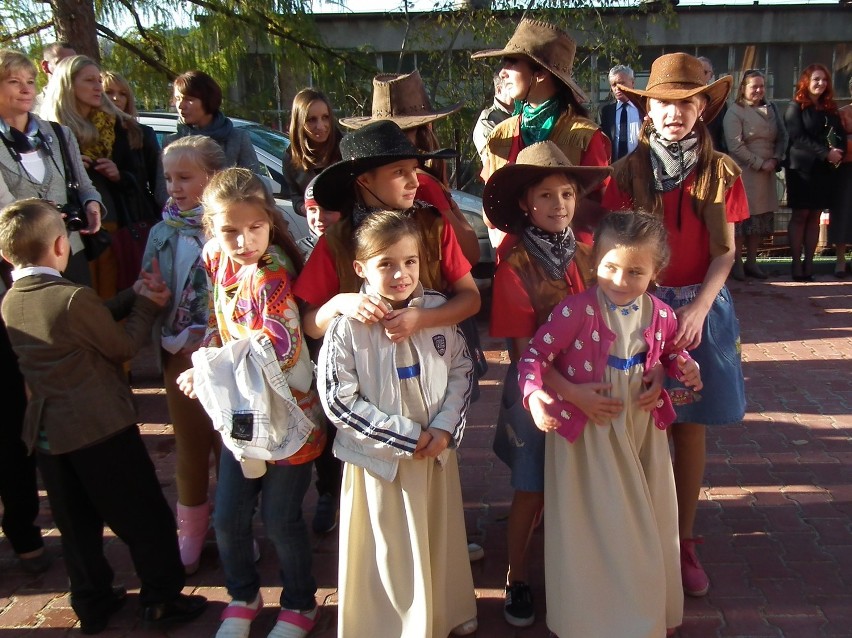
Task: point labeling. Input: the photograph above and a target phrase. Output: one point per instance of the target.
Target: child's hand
(422, 442)
(439, 440)
(690, 321)
(401, 324)
(599, 408)
(654, 380)
(690, 374)
(364, 308)
(186, 383)
(539, 403)
(161, 297)
(151, 280)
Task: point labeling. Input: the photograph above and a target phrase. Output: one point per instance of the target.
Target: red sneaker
(693, 576)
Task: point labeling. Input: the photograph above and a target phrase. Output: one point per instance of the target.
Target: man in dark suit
(621, 120)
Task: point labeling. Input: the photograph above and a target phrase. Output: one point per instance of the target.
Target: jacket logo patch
(440, 343)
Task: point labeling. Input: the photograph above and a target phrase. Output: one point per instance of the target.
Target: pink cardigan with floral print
(576, 339)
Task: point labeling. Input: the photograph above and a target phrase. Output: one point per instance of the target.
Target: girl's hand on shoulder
(107, 168)
(601, 409)
(364, 308)
(401, 324)
(690, 320)
(653, 378)
(440, 440)
(186, 383)
(690, 373)
(541, 404)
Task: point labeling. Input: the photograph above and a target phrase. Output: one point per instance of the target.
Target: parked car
(270, 145)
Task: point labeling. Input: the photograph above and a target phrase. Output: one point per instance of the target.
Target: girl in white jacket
(400, 409)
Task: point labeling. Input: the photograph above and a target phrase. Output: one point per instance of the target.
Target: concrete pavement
(775, 512)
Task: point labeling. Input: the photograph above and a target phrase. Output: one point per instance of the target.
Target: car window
(267, 139)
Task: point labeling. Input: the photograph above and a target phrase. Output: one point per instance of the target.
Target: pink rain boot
(192, 531)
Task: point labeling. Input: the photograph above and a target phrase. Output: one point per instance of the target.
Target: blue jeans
(283, 488)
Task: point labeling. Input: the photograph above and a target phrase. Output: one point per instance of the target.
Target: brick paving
(775, 512)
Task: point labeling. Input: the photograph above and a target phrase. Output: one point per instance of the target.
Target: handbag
(94, 244)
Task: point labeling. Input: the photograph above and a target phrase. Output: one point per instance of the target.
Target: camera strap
(70, 178)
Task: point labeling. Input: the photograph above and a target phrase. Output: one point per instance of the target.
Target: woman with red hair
(814, 152)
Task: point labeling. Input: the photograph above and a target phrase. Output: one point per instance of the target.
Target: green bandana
(537, 121)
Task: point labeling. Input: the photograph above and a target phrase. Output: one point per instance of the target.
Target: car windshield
(267, 139)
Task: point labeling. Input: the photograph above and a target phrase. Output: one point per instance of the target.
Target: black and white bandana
(672, 161)
(554, 251)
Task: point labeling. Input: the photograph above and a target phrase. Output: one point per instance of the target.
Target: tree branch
(26, 32)
(149, 60)
(158, 49)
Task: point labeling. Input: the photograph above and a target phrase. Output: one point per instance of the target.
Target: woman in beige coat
(756, 139)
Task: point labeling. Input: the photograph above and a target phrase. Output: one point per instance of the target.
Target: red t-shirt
(431, 192)
(690, 245)
(318, 282)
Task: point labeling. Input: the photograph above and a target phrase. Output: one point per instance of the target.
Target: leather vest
(341, 243)
(545, 293)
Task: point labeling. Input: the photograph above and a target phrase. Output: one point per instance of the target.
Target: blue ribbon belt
(625, 364)
(409, 371)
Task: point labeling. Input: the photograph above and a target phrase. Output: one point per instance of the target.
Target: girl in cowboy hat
(610, 535)
(403, 99)
(537, 67)
(535, 200)
(675, 174)
(379, 171)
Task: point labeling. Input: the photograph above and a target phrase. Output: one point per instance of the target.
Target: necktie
(622, 133)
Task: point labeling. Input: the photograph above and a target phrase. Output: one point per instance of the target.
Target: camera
(75, 217)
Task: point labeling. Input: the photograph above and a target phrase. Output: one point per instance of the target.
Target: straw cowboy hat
(545, 44)
(403, 99)
(677, 76)
(535, 162)
(371, 146)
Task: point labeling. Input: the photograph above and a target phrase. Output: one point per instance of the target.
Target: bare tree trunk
(75, 23)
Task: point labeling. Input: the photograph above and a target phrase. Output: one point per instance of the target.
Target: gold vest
(571, 133)
(341, 244)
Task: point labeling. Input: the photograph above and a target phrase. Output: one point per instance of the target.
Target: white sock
(284, 629)
(239, 627)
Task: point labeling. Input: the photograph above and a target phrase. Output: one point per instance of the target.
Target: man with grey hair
(621, 121)
(717, 133)
(493, 115)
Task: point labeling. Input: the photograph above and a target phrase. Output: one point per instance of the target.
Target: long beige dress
(755, 134)
(612, 557)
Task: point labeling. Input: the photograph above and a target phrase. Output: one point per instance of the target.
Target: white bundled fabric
(248, 398)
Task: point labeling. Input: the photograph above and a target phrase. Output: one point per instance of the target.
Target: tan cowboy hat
(677, 76)
(507, 185)
(545, 44)
(403, 99)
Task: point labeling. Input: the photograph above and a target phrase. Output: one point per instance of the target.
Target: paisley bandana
(672, 161)
(553, 251)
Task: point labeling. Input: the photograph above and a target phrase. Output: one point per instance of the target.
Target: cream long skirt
(404, 570)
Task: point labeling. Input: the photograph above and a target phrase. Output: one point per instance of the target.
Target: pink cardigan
(577, 340)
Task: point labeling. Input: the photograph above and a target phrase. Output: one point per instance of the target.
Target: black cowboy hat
(371, 146)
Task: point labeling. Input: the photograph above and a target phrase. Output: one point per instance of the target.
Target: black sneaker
(325, 517)
(518, 609)
(182, 609)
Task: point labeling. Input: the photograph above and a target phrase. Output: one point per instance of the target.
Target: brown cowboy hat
(677, 76)
(403, 99)
(507, 185)
(546, 45)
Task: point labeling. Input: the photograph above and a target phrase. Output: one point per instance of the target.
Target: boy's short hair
(27, 228)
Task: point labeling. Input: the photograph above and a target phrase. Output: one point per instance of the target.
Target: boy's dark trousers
(18, 485)
(112, 482)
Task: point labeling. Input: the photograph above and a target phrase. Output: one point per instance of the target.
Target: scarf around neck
(552, 251)
(671, 162)
(187, 222)
(104, 123)
(24, 141)
(537, 121)
(219, 129)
